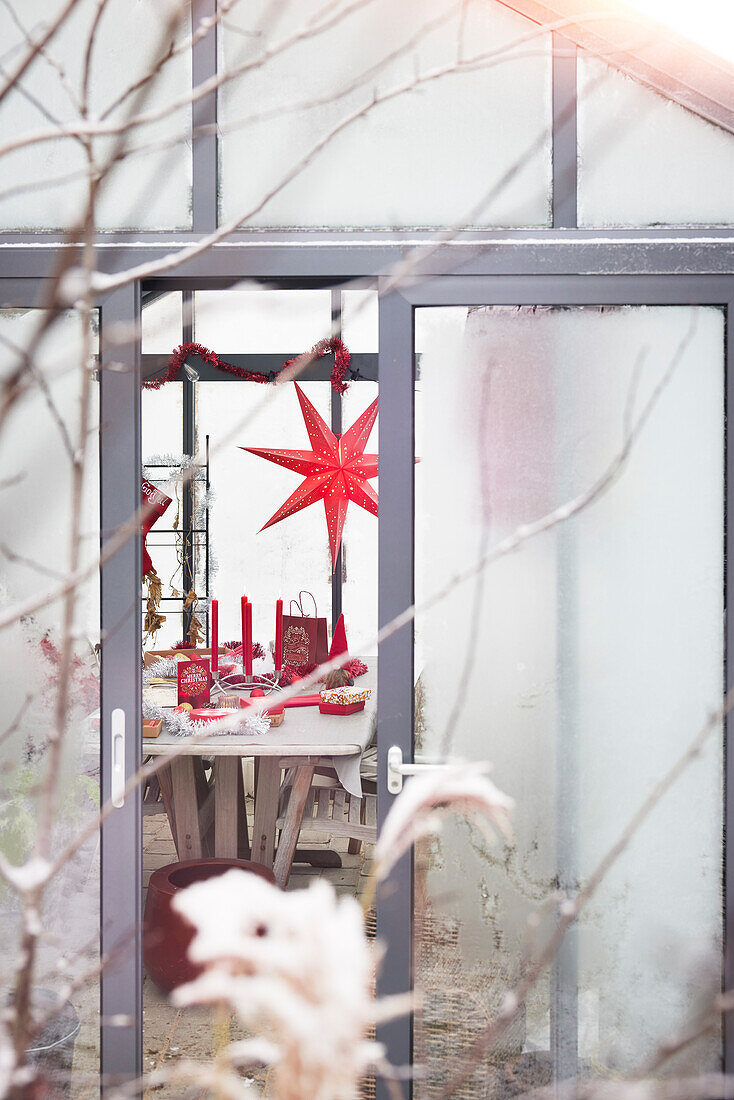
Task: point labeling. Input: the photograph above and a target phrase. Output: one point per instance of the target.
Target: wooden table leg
(205, 802)
(164, 778)
(292, 823)
(188, 833)
(266, 810)
(243, 837)
(226, 805)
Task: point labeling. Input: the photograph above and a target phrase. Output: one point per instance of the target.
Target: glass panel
(326, 157)
(233, 556)
(248, 491)
(640, 156)
(38, 494)
(161, 324)
(260, 320)
(162, 451)
(359, 590)
(360, 326)
(593, 656)
(43, 184)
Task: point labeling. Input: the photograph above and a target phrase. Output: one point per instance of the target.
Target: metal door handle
(396, 769)
(117, 776)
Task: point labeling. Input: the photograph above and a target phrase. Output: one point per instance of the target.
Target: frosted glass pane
(37, 494)
(162, 421)
(598, 657)
(43, 185)
(644, 160)
(162, 410)
(162, 324)
(360, 322)
(268, 321)
(428, 156)
(290, 555)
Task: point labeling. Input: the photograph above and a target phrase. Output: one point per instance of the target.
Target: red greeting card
(194, 678)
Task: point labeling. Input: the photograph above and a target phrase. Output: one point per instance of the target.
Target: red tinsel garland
(342, 358)
(355, 667)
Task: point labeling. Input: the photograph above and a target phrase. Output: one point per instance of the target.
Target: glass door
(70, 660)
(568, 542)
(232, 802)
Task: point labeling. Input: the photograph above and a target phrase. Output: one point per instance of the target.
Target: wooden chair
(332, 811)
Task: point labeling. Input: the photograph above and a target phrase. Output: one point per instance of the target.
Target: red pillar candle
(215, 635)
(278, 635)
(243, 619)
(248, 641)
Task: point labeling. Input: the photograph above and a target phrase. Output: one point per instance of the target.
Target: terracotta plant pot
(166, 934)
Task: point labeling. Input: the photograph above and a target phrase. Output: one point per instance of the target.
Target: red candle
(215, 635)
(243, 617)
(248, 640)
(278, 635)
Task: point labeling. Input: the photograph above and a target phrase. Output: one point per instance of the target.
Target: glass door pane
(581, 665)
(218, 802)
(49, 678)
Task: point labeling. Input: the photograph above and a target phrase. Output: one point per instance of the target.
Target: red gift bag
(304, 636)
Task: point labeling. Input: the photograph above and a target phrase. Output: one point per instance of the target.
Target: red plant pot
(166, 934)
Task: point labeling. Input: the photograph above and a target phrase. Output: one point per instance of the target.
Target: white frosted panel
(644, 160)
(162, 421)
(290, 555)
(147, 190)
(162, 324)
(268, 321)
(162, 409)
(360, 320)
(598, 656)
(428, 156)
(359, 591)
(37, 495)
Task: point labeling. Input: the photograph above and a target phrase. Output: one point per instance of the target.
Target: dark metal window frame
(562, 265)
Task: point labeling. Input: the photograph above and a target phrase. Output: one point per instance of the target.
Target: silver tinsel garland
(165, 669)
(178, 723)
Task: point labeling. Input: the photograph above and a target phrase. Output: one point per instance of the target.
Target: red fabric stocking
(154, 505)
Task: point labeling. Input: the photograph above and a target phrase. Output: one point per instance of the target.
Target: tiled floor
(170, 1033)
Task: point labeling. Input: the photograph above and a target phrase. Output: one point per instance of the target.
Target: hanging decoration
(179, 469)
(155, 503)
(342, 359)
(153, 619)
(336, 471)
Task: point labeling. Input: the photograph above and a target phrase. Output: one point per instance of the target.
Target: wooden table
(210, 819)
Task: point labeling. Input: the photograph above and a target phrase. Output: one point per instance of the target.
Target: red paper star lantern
(335, 471)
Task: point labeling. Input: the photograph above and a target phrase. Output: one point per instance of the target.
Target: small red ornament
(336, 471)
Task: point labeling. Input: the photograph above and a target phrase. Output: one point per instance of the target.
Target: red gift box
(340, 708)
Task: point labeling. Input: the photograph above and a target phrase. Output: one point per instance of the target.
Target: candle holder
(222, 685)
